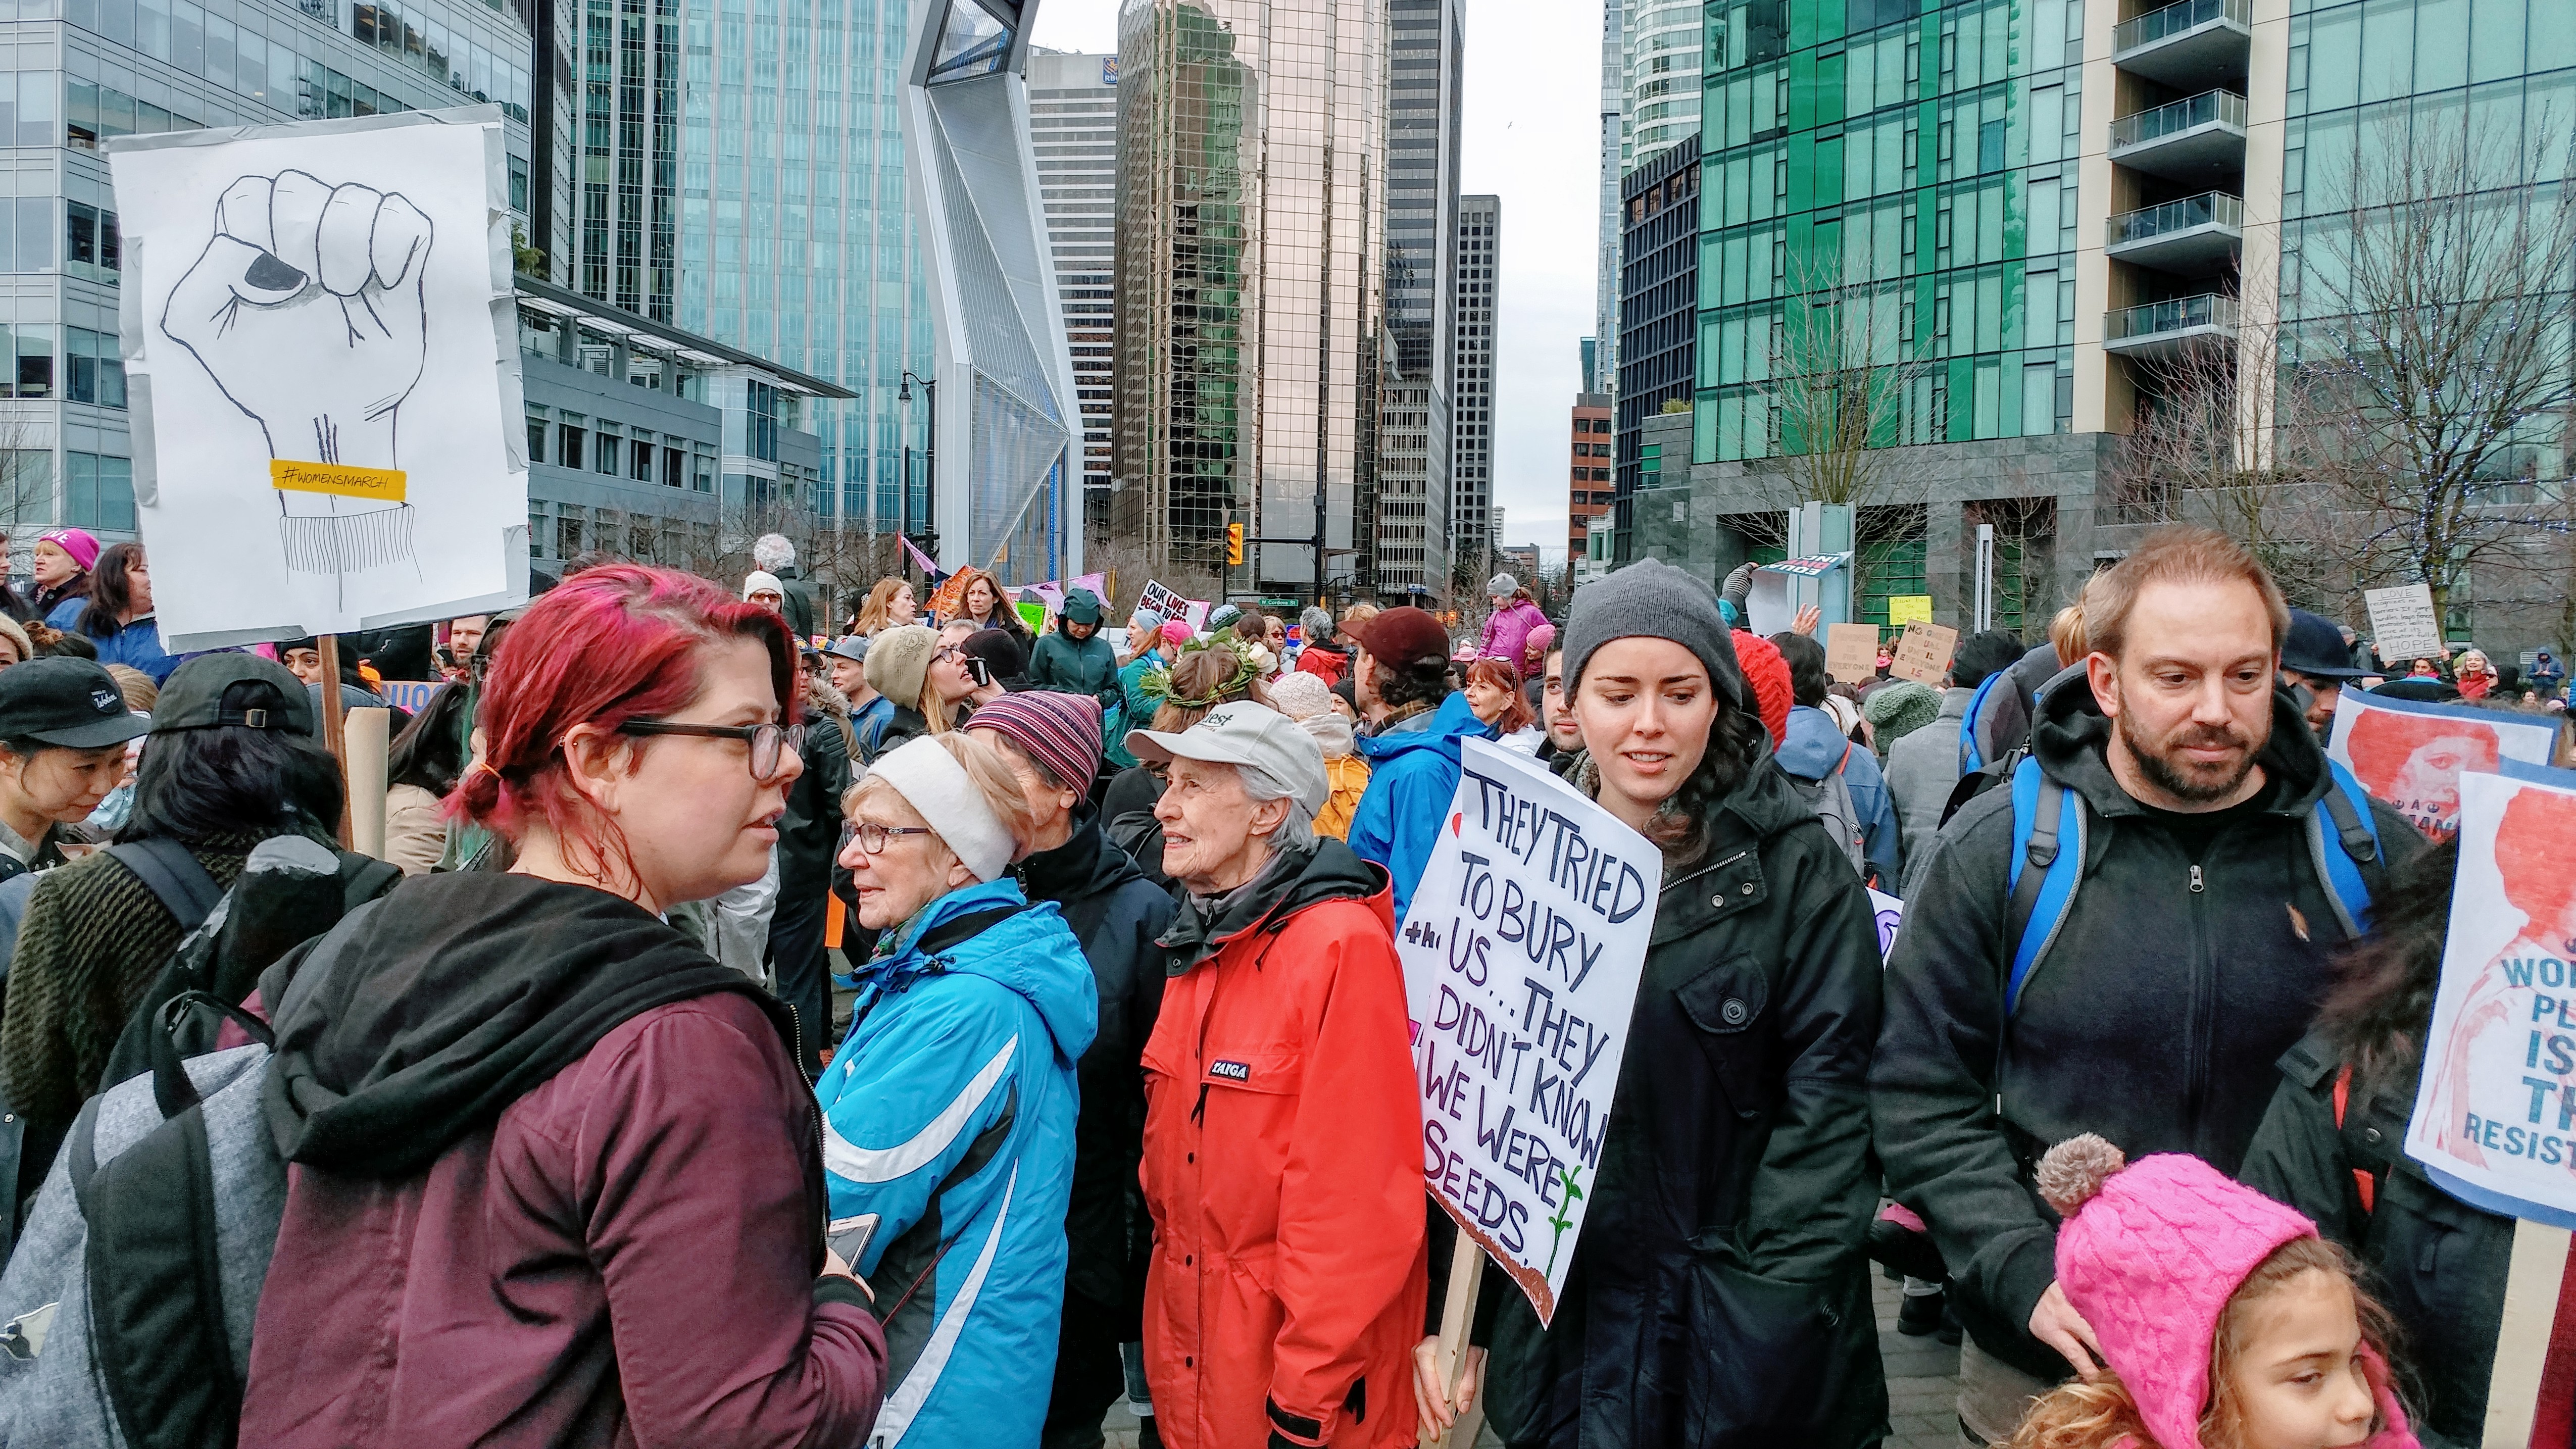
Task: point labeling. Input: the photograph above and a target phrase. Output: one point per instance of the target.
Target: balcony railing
(2222, 107)
(2182, 314)
(2147, 223)
(2174, 19)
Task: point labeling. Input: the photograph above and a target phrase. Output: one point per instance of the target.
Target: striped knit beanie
(1059, 731)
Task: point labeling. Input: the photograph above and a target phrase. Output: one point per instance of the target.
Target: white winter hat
(938, 789)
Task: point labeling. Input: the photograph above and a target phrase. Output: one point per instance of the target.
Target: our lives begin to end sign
(1522, 952)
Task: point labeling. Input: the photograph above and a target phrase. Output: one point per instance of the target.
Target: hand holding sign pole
(1522, 952)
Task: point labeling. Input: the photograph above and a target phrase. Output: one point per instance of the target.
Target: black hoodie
(1116, 913)
(2154, 1019)
(423, 1015)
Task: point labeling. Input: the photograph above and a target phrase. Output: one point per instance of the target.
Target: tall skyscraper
(1425, 64)
(88, 70)
(1658, 319)
(1251, 263)
(797, 244)
(606, 207)
(1600, 363)
(1073, 123)
(1660, 41)
(1478, 251)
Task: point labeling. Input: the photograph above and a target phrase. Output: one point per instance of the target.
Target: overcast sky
(1533, 87)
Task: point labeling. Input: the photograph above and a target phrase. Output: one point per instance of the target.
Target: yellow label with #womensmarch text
(290, 475)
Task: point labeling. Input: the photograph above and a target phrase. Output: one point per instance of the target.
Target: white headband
(939, 789)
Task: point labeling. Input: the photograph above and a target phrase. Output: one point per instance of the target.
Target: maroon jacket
(627, 1256)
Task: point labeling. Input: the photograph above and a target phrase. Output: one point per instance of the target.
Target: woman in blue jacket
(118, 614)
(949, 1109)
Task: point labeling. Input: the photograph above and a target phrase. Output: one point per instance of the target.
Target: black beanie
(1650, 599)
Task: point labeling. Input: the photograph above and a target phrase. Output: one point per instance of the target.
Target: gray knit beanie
(897, 660)
(1650, 599)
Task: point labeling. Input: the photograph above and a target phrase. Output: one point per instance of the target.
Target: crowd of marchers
(941, 1034)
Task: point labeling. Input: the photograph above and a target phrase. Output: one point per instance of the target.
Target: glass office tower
(796, 244)
(1073, 128)
(1476, 257)
(1251, 250)
(1425, 61)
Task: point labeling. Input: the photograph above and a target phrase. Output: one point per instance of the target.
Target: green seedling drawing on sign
(1564, 1217)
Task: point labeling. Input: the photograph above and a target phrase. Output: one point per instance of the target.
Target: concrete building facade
(1477, 259)
(1413, 503)
(1073, 127)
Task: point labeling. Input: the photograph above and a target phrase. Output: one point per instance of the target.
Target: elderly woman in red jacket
(1283, 1132)
(555, 1176)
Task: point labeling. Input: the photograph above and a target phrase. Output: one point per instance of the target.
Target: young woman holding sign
(1719, 1293)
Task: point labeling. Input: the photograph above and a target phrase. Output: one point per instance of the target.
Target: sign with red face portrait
(2411, 755)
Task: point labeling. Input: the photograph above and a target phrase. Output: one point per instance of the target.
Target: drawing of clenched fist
(306, 308)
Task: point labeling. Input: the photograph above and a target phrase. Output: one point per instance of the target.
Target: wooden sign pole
(2531, 1293)
(334, 729)
(1457, 1314)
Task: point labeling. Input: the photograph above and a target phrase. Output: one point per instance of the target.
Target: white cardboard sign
(2403, 625)
(1522, 952)
(323, 362)
(2414, 756)
(2495, 1113)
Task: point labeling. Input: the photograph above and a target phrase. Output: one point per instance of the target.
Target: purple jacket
(625, 1258)
(1507, 633)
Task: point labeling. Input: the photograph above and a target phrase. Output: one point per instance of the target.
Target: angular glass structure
(1005, 402)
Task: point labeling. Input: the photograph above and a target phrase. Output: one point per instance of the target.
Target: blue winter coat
(1413, 775)
(1815, 745)
(948, 1118)
(138, 645)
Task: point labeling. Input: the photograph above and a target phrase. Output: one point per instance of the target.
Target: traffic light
(1233, 544)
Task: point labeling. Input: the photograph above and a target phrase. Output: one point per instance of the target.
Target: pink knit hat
(2149, 1253)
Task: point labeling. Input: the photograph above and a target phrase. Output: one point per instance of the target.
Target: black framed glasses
(872, 837)
(769, 742)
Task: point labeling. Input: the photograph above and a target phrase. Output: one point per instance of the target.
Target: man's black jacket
(2154, 1020)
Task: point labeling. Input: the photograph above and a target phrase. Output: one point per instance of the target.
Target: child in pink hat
(2222, 1319)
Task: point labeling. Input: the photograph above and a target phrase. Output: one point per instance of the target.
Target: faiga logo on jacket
(1231, 1071)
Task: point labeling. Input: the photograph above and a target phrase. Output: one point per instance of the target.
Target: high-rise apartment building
(1251, 268)
(1587, 493)
(1477, 261)
(1598, 363)
(605, 206)
(1073, 124)
(2030, 210)
(1425, 65)
(1660, 61)
(87, 70)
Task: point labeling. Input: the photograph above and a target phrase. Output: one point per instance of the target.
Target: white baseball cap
(1244, 733)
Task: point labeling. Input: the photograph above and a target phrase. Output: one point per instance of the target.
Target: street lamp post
(929, 456)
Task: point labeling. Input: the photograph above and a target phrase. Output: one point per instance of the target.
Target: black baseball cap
(63, 701)
(213, 690)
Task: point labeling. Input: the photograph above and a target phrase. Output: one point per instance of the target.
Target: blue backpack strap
(2346, 856)
(2047, 865)
(1972, 759)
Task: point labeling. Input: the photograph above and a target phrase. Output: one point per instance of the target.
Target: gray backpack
(1831, 800)
(126, 1311)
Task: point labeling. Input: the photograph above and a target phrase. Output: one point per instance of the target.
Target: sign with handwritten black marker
(1522, 952)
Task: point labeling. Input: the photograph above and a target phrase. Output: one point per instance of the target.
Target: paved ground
(1922, 1389)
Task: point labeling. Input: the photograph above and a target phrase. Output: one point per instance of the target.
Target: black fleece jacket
(2154, 1020)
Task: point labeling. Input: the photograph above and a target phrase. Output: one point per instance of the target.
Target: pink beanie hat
(80, 543)
(2149, 1253)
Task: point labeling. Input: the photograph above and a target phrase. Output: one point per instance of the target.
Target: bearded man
(2166, 986)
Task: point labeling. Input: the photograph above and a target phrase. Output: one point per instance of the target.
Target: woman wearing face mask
(1719, 1293)
(119, 613)
(64, 558)
(598, 1144)
(949, 1110)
